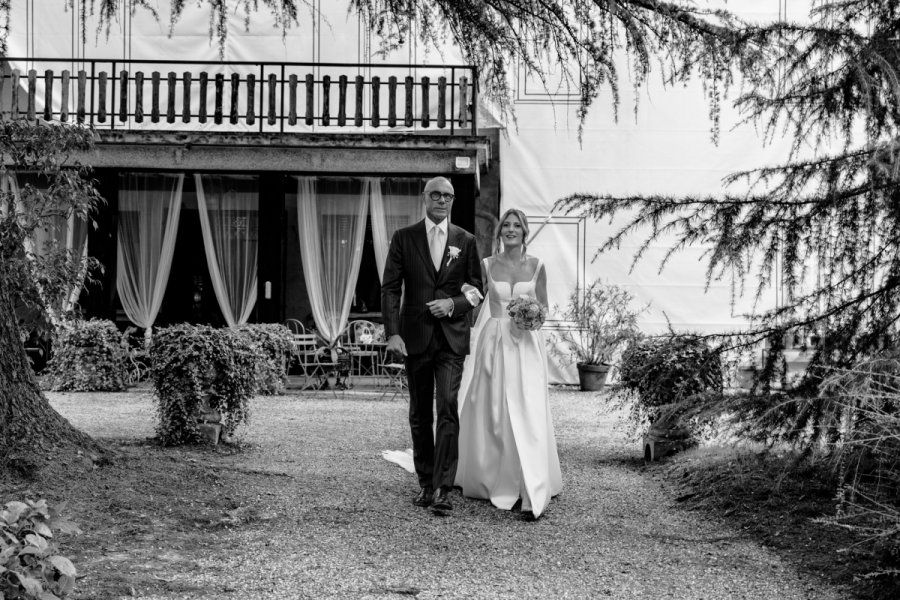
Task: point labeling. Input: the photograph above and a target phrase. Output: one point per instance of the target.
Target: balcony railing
(243, 96)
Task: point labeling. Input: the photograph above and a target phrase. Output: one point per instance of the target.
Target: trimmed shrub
(194, 365)
(660, 371)
(30, 568)
(275, 342)
(87, 357)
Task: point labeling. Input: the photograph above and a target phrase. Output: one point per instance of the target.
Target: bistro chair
(364, 345)
(395, 374)
(309, 358)
(295, 326)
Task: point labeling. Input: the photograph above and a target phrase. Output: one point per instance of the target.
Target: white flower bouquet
(527, 313)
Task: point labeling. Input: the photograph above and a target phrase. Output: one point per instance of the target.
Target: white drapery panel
(8, 185)
(331, 223)
(229, 218)
(149, 211)
(65, 232)
(394, 203)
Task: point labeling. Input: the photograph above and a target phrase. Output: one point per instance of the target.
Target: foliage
(868, 453)
(659, 372)
(824, 226)
(42, 278)
(87, 357)
(30, 567)
(275, 342)
(604, 322)
(189, 360)
(581, 41)
(137, 356)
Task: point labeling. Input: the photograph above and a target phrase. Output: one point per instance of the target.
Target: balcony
(251, 97)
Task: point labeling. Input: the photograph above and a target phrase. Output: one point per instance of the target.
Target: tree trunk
(32, 434)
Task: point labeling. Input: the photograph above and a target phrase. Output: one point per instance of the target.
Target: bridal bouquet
(527, 313)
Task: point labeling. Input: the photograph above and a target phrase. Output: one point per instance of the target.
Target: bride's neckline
(512, 284)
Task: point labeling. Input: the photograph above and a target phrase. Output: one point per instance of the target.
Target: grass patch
(783, 501)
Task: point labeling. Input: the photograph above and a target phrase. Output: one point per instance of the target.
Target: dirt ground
(302, 506)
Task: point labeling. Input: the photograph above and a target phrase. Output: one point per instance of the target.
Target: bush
(866, 407)
(275, 342)
(87, 357)
(191, 364)
(30, 568)
(661, 371)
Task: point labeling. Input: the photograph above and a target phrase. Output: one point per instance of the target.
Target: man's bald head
(438, 184)
(439, 197)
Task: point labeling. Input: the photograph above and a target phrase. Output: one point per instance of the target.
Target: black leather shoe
(441, 504)
(424, 497)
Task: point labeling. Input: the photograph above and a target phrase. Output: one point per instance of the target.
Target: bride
(507, 448)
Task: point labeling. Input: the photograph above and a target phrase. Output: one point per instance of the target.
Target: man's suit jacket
(409, 262)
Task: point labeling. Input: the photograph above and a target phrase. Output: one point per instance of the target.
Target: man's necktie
(437, 247)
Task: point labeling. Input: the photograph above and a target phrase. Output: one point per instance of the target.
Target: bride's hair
(522, 219)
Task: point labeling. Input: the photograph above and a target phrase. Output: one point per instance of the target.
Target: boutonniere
(453, 253)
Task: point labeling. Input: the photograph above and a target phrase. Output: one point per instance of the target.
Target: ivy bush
(275, 342)
(30, 567)
(87, 357)
(662, 371)
(189, 362)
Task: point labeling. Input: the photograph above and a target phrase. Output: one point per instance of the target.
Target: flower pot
(592, 377)
(745, 377)
(665, 438)
(211, 432)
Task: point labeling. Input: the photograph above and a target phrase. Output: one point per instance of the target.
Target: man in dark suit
(427, 265)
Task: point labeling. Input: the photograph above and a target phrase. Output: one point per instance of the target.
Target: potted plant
(604, 322)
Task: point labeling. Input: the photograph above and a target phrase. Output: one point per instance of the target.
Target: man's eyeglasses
(435, 196)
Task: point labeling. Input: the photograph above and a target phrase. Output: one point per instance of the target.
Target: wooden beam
(139, 97)
(48, 95)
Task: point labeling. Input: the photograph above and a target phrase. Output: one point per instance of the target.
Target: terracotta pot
(592, 377)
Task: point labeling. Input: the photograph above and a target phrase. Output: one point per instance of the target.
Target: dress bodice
(500, 293)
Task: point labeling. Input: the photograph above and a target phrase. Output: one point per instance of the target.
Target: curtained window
(229, 218)
(331, 221)
(149, 212)
(395, 203)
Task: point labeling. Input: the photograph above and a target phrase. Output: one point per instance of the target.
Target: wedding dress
(507, 448)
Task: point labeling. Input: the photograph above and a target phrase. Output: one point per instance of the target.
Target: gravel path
(327, 517)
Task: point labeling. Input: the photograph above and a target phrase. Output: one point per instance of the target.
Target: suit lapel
(453, 239)
(420, 241)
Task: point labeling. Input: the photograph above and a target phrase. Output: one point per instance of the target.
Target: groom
(426, 267)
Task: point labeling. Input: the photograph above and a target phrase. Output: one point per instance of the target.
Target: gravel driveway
(324, 516)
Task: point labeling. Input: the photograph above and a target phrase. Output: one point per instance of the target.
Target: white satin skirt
(507, 448)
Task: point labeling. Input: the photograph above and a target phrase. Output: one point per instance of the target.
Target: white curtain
(149, 211)
(8, 185)
(61, 232)
(229, 218)
(394, 203)
(331, 222)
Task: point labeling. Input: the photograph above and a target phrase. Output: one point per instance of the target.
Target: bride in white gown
(507, 448)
